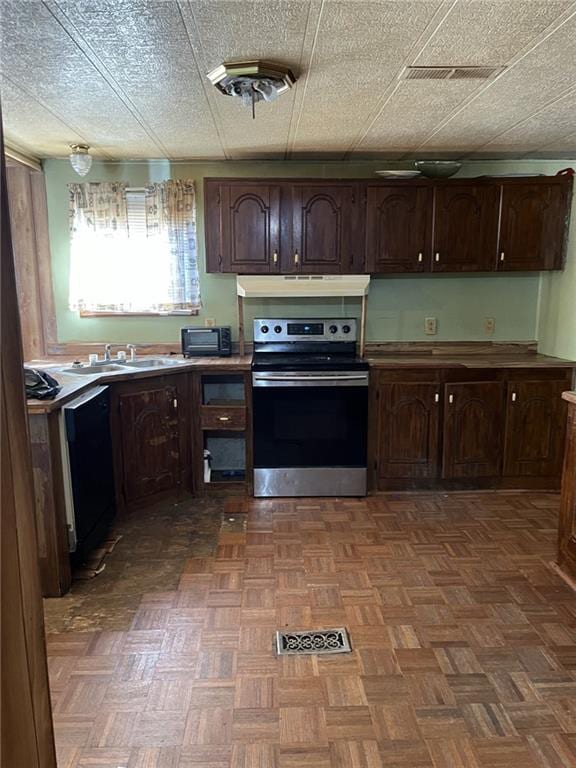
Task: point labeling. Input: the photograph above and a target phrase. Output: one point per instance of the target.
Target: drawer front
(219, 417)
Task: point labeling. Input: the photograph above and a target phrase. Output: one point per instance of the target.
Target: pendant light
(80, 160)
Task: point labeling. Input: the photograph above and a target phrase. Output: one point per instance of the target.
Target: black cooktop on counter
(265, 361)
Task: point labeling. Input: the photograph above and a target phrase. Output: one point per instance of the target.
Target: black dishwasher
(91, 504)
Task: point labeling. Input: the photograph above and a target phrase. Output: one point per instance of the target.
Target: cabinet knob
(223, 418)
(502, 256)
(437, 398)
(275, 257)
(513, 397)
(175, 403)
(296, 257)
(450, 399)
(420, 257)
(436, 257)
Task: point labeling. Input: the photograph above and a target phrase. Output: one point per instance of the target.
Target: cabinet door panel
(465, 228)
(322, 224)
(398, 228)
(535, 423)
(567, 523)
(250, 217)
(532, 231)
(149, 441)
(473, 421)
(408, 430)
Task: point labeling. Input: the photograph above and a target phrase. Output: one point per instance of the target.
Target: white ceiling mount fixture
(252, 80)
(480, 72)
(301, 286)
(80, 160)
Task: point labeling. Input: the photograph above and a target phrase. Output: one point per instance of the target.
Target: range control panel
(296, 329)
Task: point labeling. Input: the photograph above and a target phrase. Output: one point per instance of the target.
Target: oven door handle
(344, 379)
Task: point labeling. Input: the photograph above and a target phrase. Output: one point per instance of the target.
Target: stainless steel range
(310, 395)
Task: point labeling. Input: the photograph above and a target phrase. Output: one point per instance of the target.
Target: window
(133, 251)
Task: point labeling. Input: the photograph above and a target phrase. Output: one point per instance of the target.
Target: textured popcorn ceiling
(128, 77)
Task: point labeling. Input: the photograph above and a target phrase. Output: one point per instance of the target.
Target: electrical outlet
(430, 326)
(489, 325)
(209, 322)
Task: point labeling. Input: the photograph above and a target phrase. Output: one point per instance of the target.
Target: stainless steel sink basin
(153, 362)
(110, 367)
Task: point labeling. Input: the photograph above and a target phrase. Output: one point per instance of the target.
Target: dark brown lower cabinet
(437, 430)
(149, 438)
(567, 526)
(535, 427)
(473, 429)
(408, 428)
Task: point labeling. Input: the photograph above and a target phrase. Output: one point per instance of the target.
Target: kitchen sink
(94, 369)
(154, 362)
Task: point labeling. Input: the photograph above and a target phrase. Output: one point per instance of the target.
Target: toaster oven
(198, 342)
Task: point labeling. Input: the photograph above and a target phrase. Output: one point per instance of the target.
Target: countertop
(75, 384)
(570, 397)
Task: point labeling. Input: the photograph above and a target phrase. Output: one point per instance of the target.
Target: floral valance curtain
(126, 263)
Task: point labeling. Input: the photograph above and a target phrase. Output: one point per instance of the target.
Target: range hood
(301, 286)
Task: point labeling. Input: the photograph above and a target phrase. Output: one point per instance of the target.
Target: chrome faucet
(132, 348)
(107, 355)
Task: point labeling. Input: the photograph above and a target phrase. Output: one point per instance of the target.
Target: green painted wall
(397, 305)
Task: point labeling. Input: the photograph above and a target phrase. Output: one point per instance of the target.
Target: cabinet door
(323, 223)
(249, 222)
(533, 226)
(465, 228)
(473, 429)
(398, 228)
(150, 444)
(408, 430)
(535, 424)
(567, 524)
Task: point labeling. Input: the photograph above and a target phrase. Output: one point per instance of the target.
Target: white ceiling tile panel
(540, 76)
(359, 52)
(489, 31)
(233, 29)
(40, 57)
(144, 46)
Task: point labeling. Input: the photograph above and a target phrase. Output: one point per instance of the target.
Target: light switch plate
(489, 325)
(430, 326)
(209, 322)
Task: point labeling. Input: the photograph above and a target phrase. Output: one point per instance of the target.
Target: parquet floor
(464, 645)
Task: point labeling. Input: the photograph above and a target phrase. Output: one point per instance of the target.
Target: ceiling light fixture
(80, 160)
(252, 81)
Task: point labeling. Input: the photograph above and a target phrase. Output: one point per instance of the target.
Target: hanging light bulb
(267, 88)
(80, 160)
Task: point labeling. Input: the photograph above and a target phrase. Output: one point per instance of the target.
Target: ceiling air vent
(449, 73)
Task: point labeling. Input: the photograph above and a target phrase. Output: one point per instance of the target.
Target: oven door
(310, 433)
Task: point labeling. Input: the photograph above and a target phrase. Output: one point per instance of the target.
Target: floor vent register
(313, 641)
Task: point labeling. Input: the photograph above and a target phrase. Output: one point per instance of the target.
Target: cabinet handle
(275, 257)
(175, 403)
(513, 397)
(296, 257)
(223, 418)
(436, 257)
(450, 399)
(502, 256)
(436, 398)
(420, 257)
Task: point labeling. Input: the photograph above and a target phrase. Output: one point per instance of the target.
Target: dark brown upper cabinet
(533, 226)
(398, 228)
(465, 227)
(321, 226)
(535, 428)
(243, 228)
(473, 432)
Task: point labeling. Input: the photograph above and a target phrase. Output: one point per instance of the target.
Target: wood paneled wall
(29, 225)
(27, 739)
